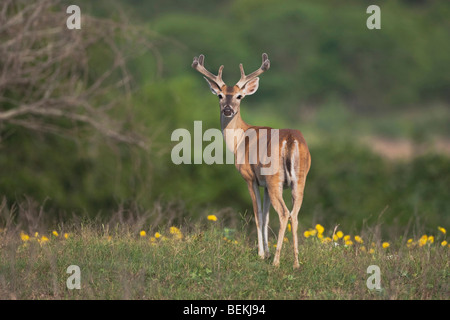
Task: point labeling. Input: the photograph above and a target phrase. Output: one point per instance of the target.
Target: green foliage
(327, 71)
(319, 50)
(350, 186)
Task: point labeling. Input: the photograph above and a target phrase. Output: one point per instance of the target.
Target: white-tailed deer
(289, 154)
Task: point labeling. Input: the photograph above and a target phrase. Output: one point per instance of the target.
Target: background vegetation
(373, 106)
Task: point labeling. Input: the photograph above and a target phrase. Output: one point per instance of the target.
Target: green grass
(204, 264)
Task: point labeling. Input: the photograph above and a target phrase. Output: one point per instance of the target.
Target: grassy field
(209, 261)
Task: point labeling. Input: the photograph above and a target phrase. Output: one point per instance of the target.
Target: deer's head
(230, 97)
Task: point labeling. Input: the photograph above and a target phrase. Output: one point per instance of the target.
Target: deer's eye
(239, 97)
(220, 96)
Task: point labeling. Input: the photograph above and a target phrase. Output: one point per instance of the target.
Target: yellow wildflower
(142, 233)
(430, 239)
(442, 230)
(363, 248)
(319, 228)
(66, 235)
(43, 239)
(176, 232)
(326, 240)
(211, 217)
(55, 233)
(346, 238)
(444, 243)
(385, 245)
(320, 235)
(372, 250)
(312, 232)
(285, 240)
(348, 242)
(423, 240)
(307, 234)
(410, 243)
(339, 234)
(157, 235)
(24, 236)
(358, 239)
(289, 227)
(335, 237)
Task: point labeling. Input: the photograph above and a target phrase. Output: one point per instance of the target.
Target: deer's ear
(251, 86)
(213, 86)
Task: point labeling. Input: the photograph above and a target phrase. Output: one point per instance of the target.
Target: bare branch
(47, 72)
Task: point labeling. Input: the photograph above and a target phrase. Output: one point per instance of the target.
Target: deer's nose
(227, 111)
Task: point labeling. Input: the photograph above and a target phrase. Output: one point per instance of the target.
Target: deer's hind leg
(276, 198)
(297, 199)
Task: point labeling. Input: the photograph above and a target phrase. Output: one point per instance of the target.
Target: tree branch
(47, 72)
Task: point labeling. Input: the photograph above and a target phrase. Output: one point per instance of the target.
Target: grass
(211, 262)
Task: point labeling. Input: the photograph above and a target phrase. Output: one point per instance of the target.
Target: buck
(291, 156)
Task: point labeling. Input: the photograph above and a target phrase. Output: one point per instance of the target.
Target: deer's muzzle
(228, 111)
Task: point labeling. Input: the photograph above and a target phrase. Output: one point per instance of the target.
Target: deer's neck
(233, 129)
(235, 122)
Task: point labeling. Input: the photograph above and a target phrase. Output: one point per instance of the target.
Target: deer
(291, 156)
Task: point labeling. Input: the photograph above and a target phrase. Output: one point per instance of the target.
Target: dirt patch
(403, 149)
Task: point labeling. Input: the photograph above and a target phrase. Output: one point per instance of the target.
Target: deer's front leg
(265, 222)
(256, 200)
